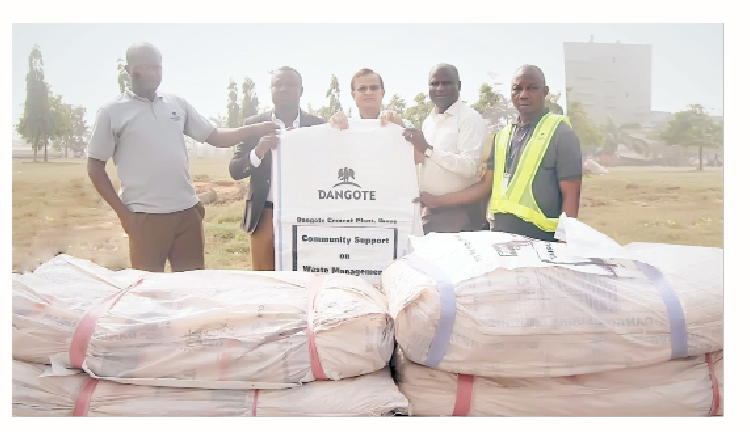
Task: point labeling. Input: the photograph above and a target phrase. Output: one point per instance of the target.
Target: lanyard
(514, 148)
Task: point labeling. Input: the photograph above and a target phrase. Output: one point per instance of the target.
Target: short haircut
(133, 50)
(287, 68)
(366, 71)
(445, 66)
(534, 68)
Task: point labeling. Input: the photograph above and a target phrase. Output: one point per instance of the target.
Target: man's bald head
(528, 91)
(445, 86)
(141, 49)
(447, 68)
(143, 64)
(532, 69)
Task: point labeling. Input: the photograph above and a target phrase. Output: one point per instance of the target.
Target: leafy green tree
(397, 103)
(417, 113)
(123, 78)
(219, 121)
(551, 102)
(334, 100)
(249, 100)
(62, 118)
(588, 134)
(496, 109)
(37, 124)
(487, 98)
(233, 108)
(694, 128)
(627, 134)
(80, 130)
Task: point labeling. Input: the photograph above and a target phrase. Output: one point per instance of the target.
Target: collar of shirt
(517, 122)
(130, 94)
(451, 111)
(295, 123)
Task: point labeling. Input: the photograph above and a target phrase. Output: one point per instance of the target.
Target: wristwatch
(428, 151)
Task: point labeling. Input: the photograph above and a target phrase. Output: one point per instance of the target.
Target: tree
(624, 134)
(416, 114)
(219, 121)
(312, 111)
(397, 103)
(37, 123)
(588, 134)
(551, 102)
(694, 128)
(487, 98)
(249, 100)
(123, 78)
(495, 108)
(334, 100)
(233, 108)
(63, 125)
(79, 130)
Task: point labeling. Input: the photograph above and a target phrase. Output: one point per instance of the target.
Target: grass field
(56, 209)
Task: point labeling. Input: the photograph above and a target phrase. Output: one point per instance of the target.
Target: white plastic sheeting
(459, 305)
(675, 388)
(211, 328)
(374, 394)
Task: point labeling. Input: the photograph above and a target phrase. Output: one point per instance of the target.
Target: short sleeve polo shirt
(146, 140)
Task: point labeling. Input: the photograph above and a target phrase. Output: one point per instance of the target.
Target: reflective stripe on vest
(519, 199)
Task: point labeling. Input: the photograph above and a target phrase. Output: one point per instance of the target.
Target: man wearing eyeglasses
(368, 91)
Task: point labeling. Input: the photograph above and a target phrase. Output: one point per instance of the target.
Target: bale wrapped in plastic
(500, 305)
(374, 394)
(248, 329)
(681, 388)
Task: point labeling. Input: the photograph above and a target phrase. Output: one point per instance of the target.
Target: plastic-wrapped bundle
(553, 320)
(49, 302)
(194, 329)
(682, 388)
(374, 394)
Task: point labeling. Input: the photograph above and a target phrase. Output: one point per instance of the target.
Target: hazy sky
(199, 59)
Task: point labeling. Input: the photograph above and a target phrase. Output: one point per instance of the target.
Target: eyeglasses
(374, 87)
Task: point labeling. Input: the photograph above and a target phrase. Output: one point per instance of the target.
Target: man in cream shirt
(449, 148)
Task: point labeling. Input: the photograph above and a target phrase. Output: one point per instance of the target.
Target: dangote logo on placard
(345, 174)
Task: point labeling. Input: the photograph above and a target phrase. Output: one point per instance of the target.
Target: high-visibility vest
(518, 199)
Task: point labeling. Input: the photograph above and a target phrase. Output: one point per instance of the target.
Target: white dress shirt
(457, 138)
(255, 160)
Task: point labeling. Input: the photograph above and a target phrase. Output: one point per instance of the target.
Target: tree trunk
(700, 161)
(65, 146)
(46, 158)
(33, 145)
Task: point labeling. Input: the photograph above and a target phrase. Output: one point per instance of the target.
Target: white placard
(343, 199)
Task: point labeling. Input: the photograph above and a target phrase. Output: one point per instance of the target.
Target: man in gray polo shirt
(143, 130)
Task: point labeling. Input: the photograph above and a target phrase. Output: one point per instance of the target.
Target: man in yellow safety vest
(534, 171)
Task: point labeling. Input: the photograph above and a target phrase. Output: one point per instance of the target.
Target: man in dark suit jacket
(252, 159)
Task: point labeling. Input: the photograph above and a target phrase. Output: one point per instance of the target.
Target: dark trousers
(469, 217)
